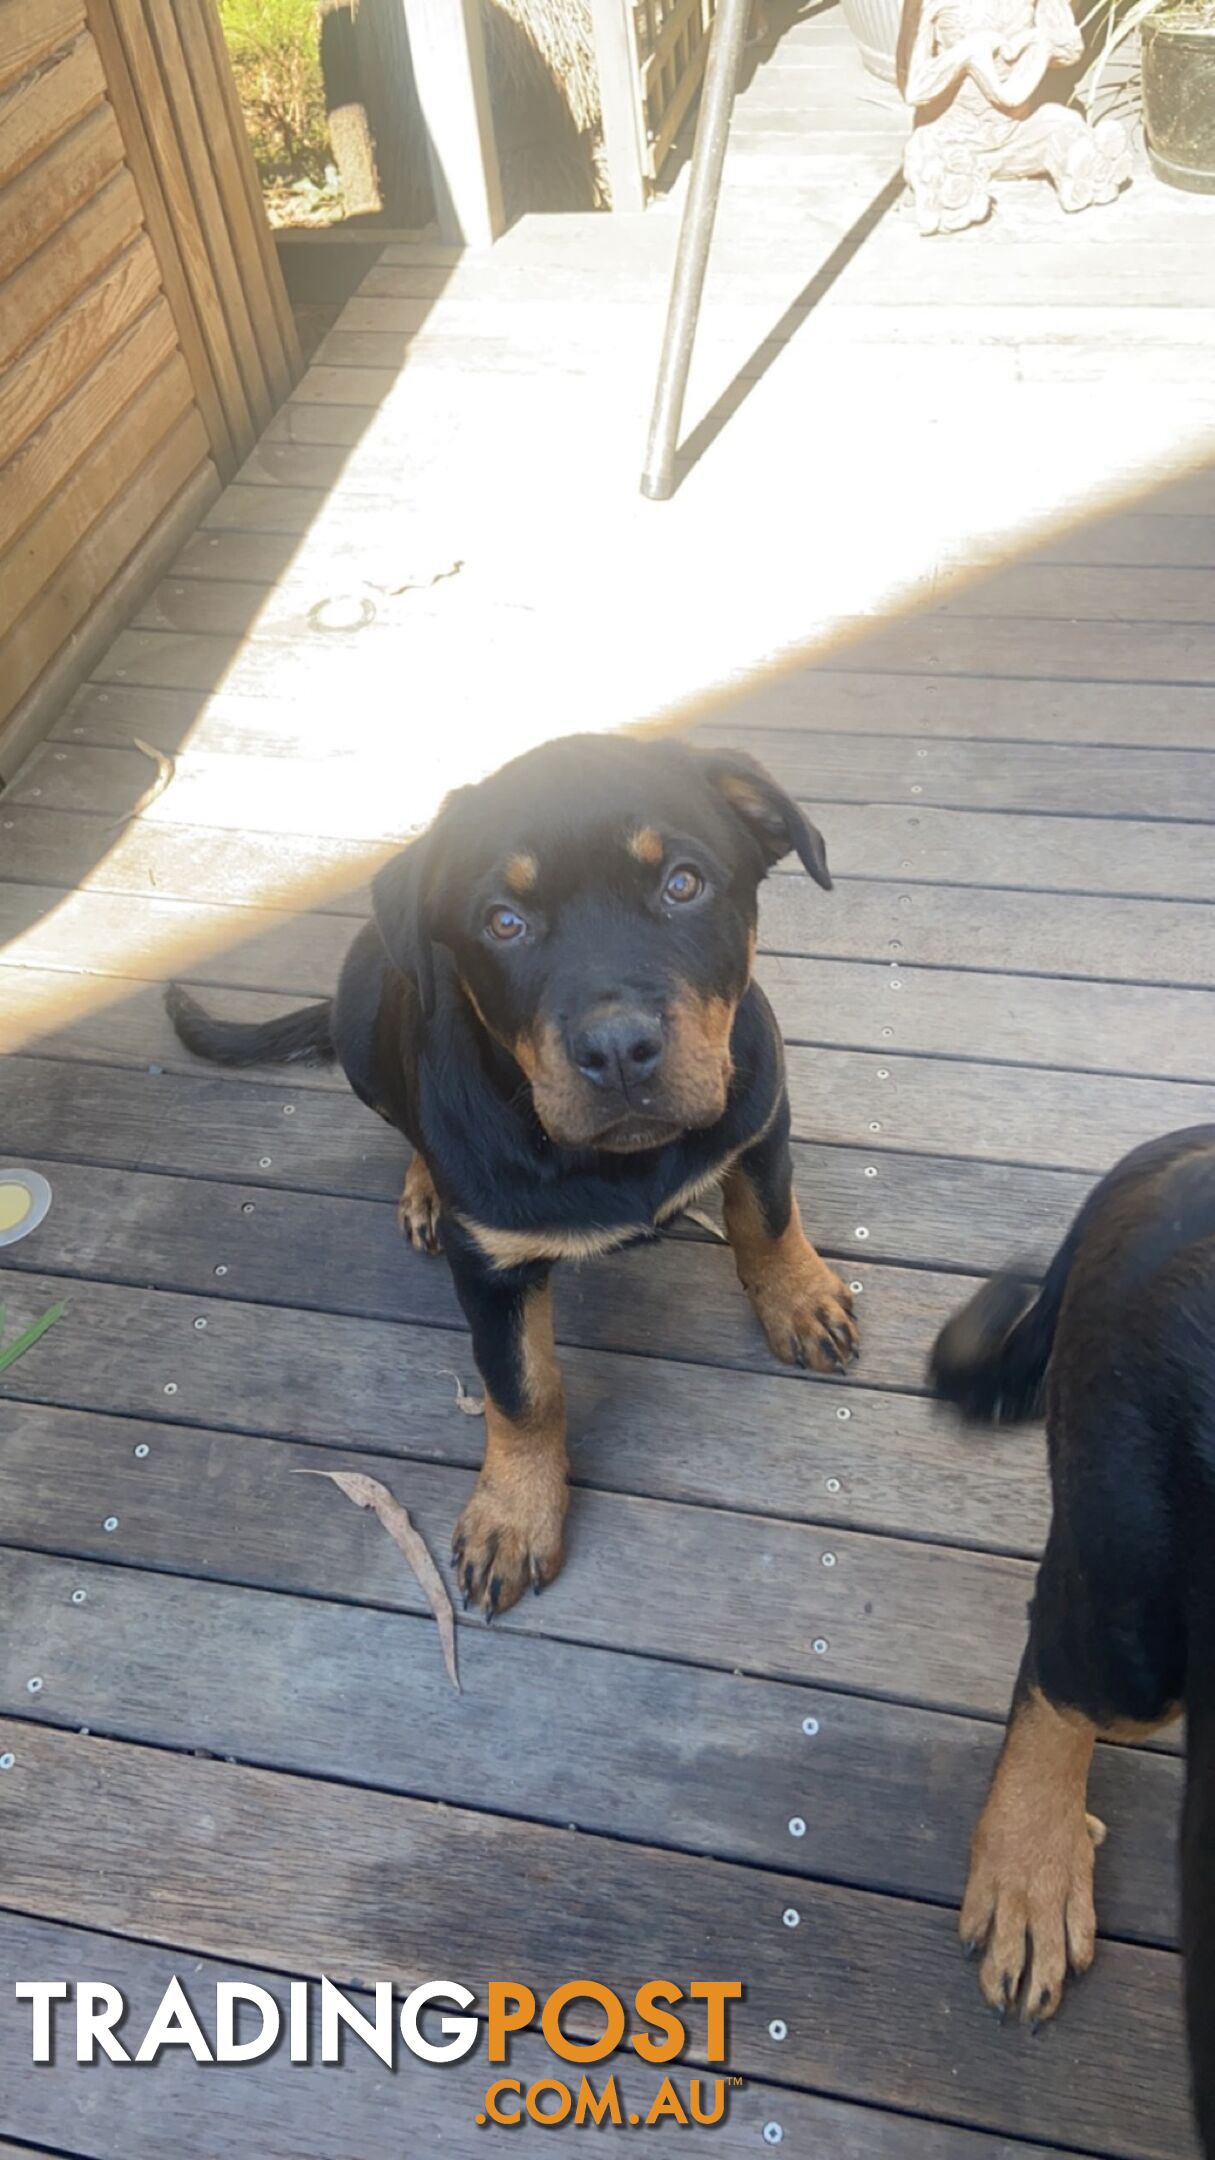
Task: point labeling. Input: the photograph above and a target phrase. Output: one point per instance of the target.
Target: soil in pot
(1179, 93)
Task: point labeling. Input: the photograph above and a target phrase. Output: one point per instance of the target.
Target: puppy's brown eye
(504, 923)
(684, 884)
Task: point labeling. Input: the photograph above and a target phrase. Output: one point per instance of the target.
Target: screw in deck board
(726, 41)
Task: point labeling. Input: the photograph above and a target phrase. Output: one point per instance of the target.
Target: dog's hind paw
(1029, 1905)
(418, 1209)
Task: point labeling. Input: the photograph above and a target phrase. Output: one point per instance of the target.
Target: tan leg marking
(508, 1538)
(418, 1208)
(1029, 1896)
(801, 1304)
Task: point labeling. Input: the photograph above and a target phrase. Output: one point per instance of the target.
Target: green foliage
(275, 49)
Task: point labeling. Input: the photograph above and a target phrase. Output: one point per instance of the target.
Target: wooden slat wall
(672, 47)
(145, 334)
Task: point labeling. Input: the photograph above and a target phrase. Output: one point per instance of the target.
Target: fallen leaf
(166, 771)
(706, 1222)
(471, 1405)
(37, 1328)
(423, 579)
(367, 1492)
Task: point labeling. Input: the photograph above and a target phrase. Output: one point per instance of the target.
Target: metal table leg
(727, 39)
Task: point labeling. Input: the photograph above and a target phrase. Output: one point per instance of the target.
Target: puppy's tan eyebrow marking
(521, 874)
(646, 846)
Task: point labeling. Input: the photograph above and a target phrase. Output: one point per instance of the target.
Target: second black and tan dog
(554, 1003)
(1118, 1347)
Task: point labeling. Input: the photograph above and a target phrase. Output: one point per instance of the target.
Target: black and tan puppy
(554, 1003)
(1119, 1347)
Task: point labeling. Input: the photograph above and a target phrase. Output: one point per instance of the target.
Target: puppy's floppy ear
(399, 903)
(771, 817)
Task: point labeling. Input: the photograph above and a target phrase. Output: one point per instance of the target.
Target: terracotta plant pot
(875, 26)
(1179, 98)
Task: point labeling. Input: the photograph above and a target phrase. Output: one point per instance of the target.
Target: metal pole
(727, 38)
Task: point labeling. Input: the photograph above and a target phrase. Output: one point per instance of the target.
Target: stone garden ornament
(974, 71)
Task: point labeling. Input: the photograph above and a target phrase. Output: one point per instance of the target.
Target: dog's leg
(802, 1306)
(508, 1538)
(1029, 1895)
(418, 1208)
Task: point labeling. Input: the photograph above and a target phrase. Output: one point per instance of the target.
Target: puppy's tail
(991, 1358)
(303, 1034)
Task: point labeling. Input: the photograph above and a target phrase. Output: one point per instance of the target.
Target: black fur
(303, 1034)
(1121, 1343)
(626, 872)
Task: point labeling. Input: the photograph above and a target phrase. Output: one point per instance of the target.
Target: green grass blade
(33, 1333)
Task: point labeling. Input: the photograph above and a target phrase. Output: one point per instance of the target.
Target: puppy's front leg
(801, 1304)
(508, 1538)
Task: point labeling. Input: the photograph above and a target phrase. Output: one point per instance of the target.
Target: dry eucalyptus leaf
(166, 770)
(471, 1405)
(367, 1492)
(706, 1222)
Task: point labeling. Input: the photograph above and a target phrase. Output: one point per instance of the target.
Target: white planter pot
(875, 26)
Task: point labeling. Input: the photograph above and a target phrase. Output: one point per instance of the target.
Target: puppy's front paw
(418, 1209)
(508, 1538)
(806, 1313)
(1029, 1905)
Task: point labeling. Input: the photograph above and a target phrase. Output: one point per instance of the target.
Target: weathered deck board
(678, 1298)
(125, 2118)
(53, 846)
(813, 700)
(654, 1751)
(284, 533)
(1087, 1027)
(658, 1433)
(923, 1104)
(925, 1209)
(218, 1858)
(1105, 936)
(1099, 938)
(1087, 781)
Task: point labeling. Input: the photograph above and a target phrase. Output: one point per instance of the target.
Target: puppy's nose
(618, 1049)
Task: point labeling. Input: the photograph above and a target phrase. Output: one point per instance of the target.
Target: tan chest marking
(517, 1248)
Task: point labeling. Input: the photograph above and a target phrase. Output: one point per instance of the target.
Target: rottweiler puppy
(1118, 1347)
(554, 1003)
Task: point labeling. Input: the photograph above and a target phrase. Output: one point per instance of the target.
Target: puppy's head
(599, 898)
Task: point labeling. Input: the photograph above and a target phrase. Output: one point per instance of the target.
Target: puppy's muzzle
(618, 1049)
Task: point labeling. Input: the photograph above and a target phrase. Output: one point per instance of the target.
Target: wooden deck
(944, 557)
